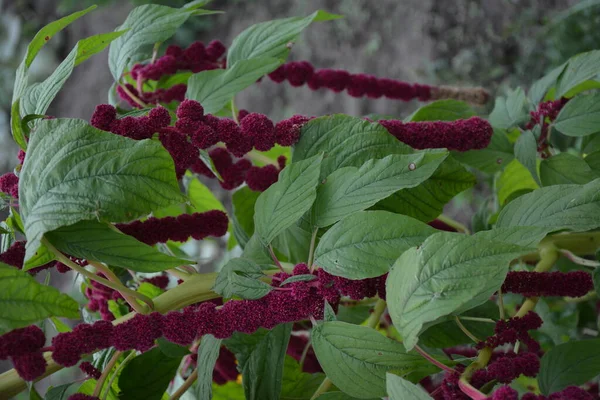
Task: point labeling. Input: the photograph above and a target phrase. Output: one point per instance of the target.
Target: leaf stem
(477, 319)
(259, 157)
(133, 96)
(455, 224)
(501, 304)
(325, 385)
(305, 353)
(116, 373)
(234, 111)
(465, 330)
(185, 386)
(579, 260)
(274, 257)
(106, 372)
(131, 300)
(433, 360)
(311, 250)
(118, 286)
(375, 316)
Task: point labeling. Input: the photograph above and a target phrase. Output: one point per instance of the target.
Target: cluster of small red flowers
(546, 112)
(511, 330)
(507, 368)
(178, 229)
(81, 396)
(298, 73)
(9, 184)
(536, 284)
(15, 257)
(24, 348)
(88, 368)
(165, 96)
(297, 301)
(297, 349)
(160, 281)
(570, 393)
(98, 296)
(461, 135)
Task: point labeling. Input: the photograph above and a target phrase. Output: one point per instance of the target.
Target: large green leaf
(148, 375)
(202, 198)
(579, 69)
(74, 172)
(282, 204)
(443, 110)
(450, 273)
(37, 98)
(510, 111)
(208, 352)
(515, 178)
(571, 363)
(541, 86)
(401, 389)
(366, 244)
(243, 202)
(526, 153)
(580, 116)
(426, 201)
(346, 142)
(24, 301)
(352, 189)
(215, 88)
(260, 360)
(147, 24)
(95, 241)
(272, 38)
(241, 277)
(572, 207)
(293, 243)
(298, 385)
(357, 358)
(565, 168)
(493, 158)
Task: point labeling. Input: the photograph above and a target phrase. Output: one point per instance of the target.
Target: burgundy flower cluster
(461, 135)
(535, 284)
(165, 96)
(546, 112)
(81, 396)
(513, 329)
(15, 257)
(570, 393)
(178, 229)
(88, 368)
(24, 348)
(507, 368)
(98, 296)
(295, 302)
(9, 184)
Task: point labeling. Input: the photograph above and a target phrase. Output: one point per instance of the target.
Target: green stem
(113, 285)
(455, 224)
(106, 372)
(261, 158)
(129, 357)
(311, 250)
(275, 260)
(375, 316)
(433, 360)
(234, 111)
(501, 304)
(465, 330)
(325, 385)
(185, 386)
(477, 319)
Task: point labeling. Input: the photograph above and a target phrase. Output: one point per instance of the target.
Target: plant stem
(116, 373)
(482, 360)
(274, 257)
(477, 319)
(455, 224)
(465, 330)
(501, 304)
(311, 250)
(234, 111)
(107, 369)
(139, 308)
(432, 360)
(375, 316)
(548, 256)
(118, 286)
(261, 158)
(304, 353)
(185, 386)
(579, 260)
(325, 385)
(133, 96)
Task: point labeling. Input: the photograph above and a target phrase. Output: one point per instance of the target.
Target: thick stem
(375, 316)
(139, 308)
(106, 372)
(185, 386)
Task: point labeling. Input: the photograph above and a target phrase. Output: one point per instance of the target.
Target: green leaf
(596, 276)
(171, 349)
(593, 160)
(95, 241)
(426, 201)
(293, 243)
(60, 326)
(400, 389)
(282, 204)
(571, 207)
(147, 24)
(346, 142)
(202, 198)
(260, 359)
(580, 116)
(357, 358)
(215, 88)
(540, 87)
(208, 352)
(367, 243)
(443, 110)
(510, 111)
(565, 168)
(61, 392)
(148, 375)
(42, 256)
(16, 125)
(493, 158)
(526, 153)
(272, 38)
(243, 201)
(579, 69)
(24, 301)
(351, 189)
(74, 172)
(450, 273)
(525, 236)
(256, 251)
(572, 363)
(298, 385)
(38, 97)
(36, 44)
(241, 277)
(337, 396)
(298, 278)
(514, 178)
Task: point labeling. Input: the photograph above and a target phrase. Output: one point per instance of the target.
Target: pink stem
(471, 391)
(433, 360)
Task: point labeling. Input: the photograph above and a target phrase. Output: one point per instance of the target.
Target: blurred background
(497, 44)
